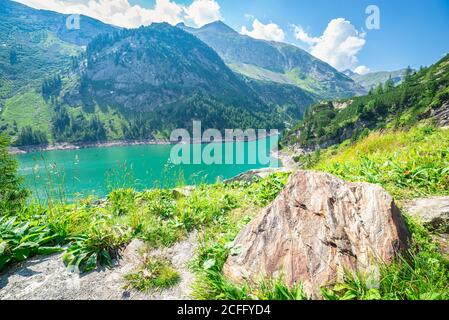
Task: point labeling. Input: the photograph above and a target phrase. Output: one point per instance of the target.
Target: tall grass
(408, 164)
(94, 231)
(156, 273)
(421, 274)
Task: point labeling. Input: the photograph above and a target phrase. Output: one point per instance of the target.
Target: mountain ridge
(112, 90)
(160, 68)
(373, 79)
(286, 61)
(125, 84)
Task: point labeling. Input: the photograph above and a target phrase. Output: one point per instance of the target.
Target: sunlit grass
(156, 273)
(408, 164)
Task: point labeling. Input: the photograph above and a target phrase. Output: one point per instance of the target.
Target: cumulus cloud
(362, 70)
(123, 14)
(202, 12)
(338, 45)
(270, 31)
(303, 36)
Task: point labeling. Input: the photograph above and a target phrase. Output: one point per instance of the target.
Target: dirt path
(47, 278)
(287, 160)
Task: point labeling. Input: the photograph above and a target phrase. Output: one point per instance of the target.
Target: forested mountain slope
(422, 95)
(36, 43)
(168, 78)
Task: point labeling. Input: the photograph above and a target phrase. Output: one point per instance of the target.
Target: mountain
(22, 18)
(105, 83)
(423, 95)
(275, 61)
(170, 78)
(373, 79)
(36, 43)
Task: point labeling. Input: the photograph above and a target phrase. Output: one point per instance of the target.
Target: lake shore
(110, 144)
(70, 146)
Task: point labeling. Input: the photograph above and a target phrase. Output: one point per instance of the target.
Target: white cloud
(338, 45)
(202, 12)
(302, 35)
(123, 14)
(362, 70)
(270, 31)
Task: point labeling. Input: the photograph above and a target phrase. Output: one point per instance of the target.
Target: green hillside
(34, 44)
(422, 95)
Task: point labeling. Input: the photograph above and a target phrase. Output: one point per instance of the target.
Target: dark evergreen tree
(389, 85)
(12, 195)
(13, 58)
(31, 137)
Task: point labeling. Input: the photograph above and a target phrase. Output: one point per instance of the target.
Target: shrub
(122, 201)
(99, 247)
(22, 240)
(156, 273)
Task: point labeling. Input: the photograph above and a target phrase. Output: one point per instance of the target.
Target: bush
(157, 273)
(122, 201)
(22, 240)
(97, 247)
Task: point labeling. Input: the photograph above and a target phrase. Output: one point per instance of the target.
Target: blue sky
(411, 32)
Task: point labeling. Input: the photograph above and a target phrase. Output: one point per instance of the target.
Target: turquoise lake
(71, 174)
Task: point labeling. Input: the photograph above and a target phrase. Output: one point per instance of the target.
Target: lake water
(96, 171)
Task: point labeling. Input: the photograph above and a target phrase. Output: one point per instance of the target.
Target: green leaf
(21, 254)
(91, 263)
(373, 294)
(3, 261)
(49, 250)
(430, 296)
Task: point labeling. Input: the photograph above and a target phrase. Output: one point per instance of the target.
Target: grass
(305, 82)
(408, 164)
(216, 243)
(95, 233)
(156, 273)
(422, 274)
(20, 240)
(27, 109)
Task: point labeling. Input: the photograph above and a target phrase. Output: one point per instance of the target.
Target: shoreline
(72, 146)
(110, 144)
(285, 160)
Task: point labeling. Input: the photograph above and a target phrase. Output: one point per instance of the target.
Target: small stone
(432, 212)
